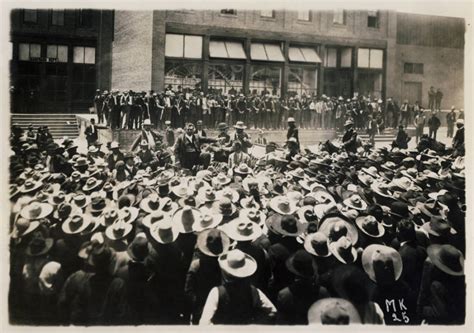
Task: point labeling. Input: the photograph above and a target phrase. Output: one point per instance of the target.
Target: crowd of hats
(342, 206)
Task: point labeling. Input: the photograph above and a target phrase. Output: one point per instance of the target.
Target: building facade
(338, 53)
(58, 57)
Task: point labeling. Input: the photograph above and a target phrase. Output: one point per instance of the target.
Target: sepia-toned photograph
(237, 166)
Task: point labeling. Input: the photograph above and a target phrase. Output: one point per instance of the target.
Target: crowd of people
(197, 230)
(128, 110)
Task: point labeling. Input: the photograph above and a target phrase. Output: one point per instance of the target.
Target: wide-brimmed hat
(97, 205)
(168, 206)
(221, 179)
(206, 195)
(306, 214)
(381, 189)
(118, 230)
(164, 231)
(333, 311)
(240, 125)
(322, 196)
(138, 249)
(128, 214)
(343, 250)
(285, 225)
(109, 216)
(249, 203)
(430, 208)
(317, 244)
(336, 225)
(57, 198)
(30, 185)
(447, 258)
(39, 246)
(369, 225)
(209, 219)
(80, 162)
(151, 203)
(185, 218)
(212, 242)
(242, 229)
(36, 210)
(382, 262)
(283, 205)
(80, 200)
(155, 217)
(237, 264)
(302, 264)
(91, 184)
(222, 126)
(438, 227)
(355, 202)
(243, 169)
(182, 190)
(23, 227)
(76, 223)
(254, 215)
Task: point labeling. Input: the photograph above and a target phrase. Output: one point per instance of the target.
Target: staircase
(59, 124)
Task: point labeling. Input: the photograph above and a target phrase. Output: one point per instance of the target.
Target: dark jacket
(111, 159)
(434, 123)
(91, 136)
(349, 141)
(156, 136)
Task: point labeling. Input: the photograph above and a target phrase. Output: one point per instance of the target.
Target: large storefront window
(226, 78)
(370, 84)
(265, 79)
(303, 81)
(184, 74)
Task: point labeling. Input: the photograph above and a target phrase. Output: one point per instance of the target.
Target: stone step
(59, 124)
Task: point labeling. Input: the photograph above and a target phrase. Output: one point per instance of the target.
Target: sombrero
(381, 253)
(185, 218)
(209, 219)
(447, 258)
(317, 244)
(212, 242)
(343, 250)
(242, 229)
(370, 226)
(76, 223)
(36, 210)
(237, 264)
(282, 205)
(336, 225)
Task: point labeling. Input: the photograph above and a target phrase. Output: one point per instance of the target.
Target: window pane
(376, 58)
(24, 52)
(217, 50)
(408, 68)
(303, 81)
(174, 45)
(265, 79)
(52, 51)
(30, 15)
(62, 53)
(57, 17)
(266, 13)
(303, 15)
(185, 74)
(295, 54)
(310, 54)
(331, 57)
(229, 11)
(346, 57)
(193, 47)
(78, 55)
(274, 52)
(418, 68)
(338, 16)
(35, 51)
(226, 77)
(363, 58)
(257, 52)
(235, 50)
(89, 55)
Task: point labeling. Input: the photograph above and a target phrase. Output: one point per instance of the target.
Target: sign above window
(183, 46)
(266, 52)
(226, 49)
(303, 54)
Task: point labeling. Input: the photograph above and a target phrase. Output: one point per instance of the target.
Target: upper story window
(57, 17)
(370, 58)
(304, 15)
(84, 55)
(413, 68)
(373, 19)
(56, 53)
(29, 52)
(339, 17)
(229, 11)
(267, 13)
(183, 46)
(30, 16)
(84, 17)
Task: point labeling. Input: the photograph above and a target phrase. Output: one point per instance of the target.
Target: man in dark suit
(147, 156)
(458, 140)
(349, 140)
(433, 124)
(199, 129)
(188, 147)
(114, 107)
(148, 135)
(91, 133)
(292, 131)
(115, 155)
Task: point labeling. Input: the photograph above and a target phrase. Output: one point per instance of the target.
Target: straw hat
(185, 218)
(151, 203)
(240, 125)
(109, 216)
(317, 244)
(76, 223)
(118, 230)
(388, 259)
(36, 210)
(237, 264)
(254, 215)
(128, 214)
(306, 214)
(91, 184)
(165, 231)
(343, 250)
(243, 169)
(80, 200)
(221, 179)
(370, 226)
(212, 242)
(355, 202)
(182, 190)
(447, 258)
(333, 311)
(30, 185)
(206, 195)
(23, 227)
(209, 220)
(285, 225)
(249, 203)
(168, 206)
(336, 225)
(282, 205)
(229, 193)
(242, 229)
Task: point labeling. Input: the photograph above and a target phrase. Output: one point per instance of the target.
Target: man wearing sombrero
(349, 139)
(241, 136)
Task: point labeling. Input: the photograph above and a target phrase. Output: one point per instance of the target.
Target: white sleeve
(210, 307)
(266, 305)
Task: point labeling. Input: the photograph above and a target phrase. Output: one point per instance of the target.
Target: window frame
(230, 62)
(369, 59)
(84, 55)
(334, 22)
(29, 52)
(267, 64)
(413, 68)
(35, 21)
(54, 12)
(234, 14)
(183, 36)
(310, 16)
(377, 19)
(304, 67)
(57, 53)
(183, 61)
(268, 17)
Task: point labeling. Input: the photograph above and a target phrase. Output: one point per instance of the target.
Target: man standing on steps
(91, 133)
(292, 131)
(433, 124)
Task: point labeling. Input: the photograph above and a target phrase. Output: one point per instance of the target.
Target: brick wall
(132, 50)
